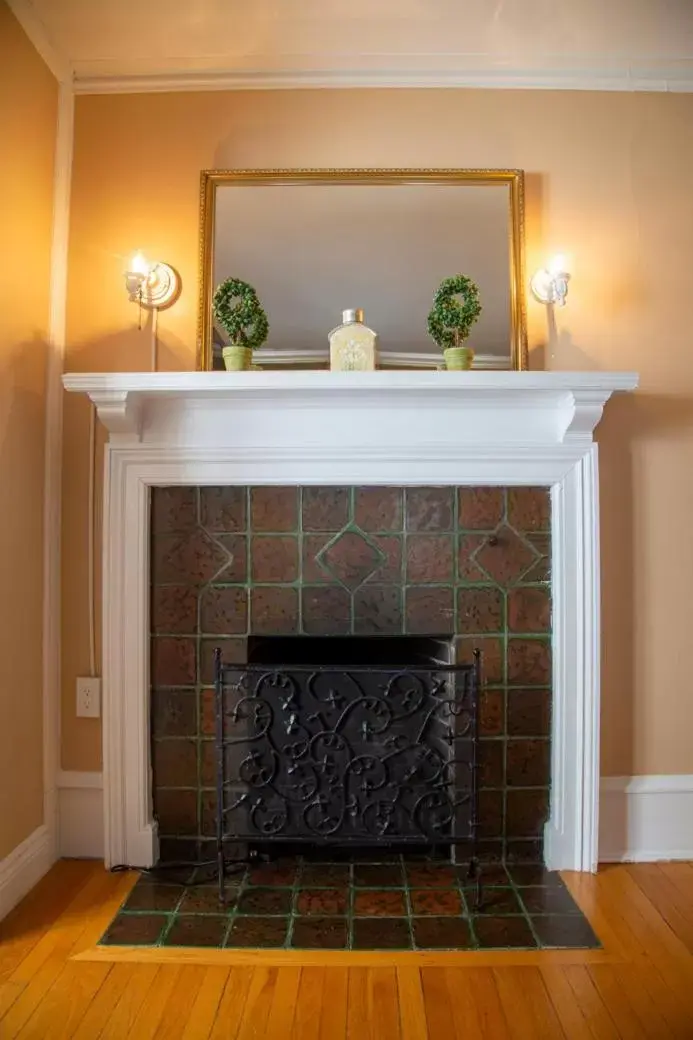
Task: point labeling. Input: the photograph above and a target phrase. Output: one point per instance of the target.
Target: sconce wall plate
(550, 287)
(155, 287)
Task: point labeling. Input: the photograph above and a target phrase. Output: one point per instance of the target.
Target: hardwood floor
(54, 982)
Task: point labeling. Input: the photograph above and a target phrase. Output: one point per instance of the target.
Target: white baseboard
(80, 815)
(641, 818)
(24, 868)
(645, 818)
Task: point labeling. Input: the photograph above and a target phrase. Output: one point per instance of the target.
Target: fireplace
(508, 430)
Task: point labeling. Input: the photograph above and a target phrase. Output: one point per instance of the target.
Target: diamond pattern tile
(351, 559)
(505, 556)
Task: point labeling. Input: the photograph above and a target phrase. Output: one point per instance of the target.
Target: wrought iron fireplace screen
(335, 755)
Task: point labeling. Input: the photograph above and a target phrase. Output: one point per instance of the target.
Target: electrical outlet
(89, 698)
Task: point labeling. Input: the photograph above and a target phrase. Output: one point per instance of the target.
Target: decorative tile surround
(471, 563)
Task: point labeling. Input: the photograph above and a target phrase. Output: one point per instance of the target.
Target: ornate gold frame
(211, 179)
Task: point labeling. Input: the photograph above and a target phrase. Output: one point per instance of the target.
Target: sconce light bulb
(138, 265)
(557, 264)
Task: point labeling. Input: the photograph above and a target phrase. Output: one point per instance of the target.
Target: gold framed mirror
(314, 242)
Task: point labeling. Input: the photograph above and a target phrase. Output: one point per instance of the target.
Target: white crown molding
(34, 28)
(664, 79)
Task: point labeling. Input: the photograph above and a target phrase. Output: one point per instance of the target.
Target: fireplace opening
(351, 651)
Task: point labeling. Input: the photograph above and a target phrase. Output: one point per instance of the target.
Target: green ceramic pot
(237, 358)
(458, 358)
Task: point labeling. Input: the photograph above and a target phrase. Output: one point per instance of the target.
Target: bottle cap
(351, 315)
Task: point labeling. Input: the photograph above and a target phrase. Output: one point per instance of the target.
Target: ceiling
(130, 44)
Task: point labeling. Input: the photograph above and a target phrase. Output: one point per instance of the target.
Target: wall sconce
(550, 284)
(151, 285)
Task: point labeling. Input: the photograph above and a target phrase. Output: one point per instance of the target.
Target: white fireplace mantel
(386, 427)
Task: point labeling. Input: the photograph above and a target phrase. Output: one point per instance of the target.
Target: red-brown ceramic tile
(224, 610)
(236, 570)
(173, 508)
(312, 573)
(429, 508)
(529, 509)
(378, 610)
(529, 662)
(526, 812)
(430, 558)
(322, 902)
(379, 903)
(441, 933)
(529, 609)
(319, 933)
(390, 570)
(351, 559)
(174, 713)
(438, 901)
(491, 771)
(274, 559)
(326, 610)
(379, 508)
(467, 568)
(325, 508)
(528, 763)
(431, 875)
(492, 713)
(233, 651)
(480, 609)
(381, 933)
(505, 556)
(174, 609)
(492, 658)
(274, 508)
(176, 812)
(175, 762)
(173, 661)
(490, 814)
(191, 558)
(429, 610)
(529, 713)
(480, 508)
(223, 508)
(274, 610)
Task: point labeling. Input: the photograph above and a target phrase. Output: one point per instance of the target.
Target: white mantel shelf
(352, 429)
(483, 407)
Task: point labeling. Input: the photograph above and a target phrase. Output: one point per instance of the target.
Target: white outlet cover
(89, 698)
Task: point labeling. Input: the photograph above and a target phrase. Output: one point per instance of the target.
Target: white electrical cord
(155, 317)
(90, 541)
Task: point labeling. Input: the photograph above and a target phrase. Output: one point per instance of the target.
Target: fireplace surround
(508, 429)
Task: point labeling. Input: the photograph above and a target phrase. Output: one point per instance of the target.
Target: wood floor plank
(565, 1003)
(99, 1011)
(232, 1004)
(306, 1025)
(383, 1003)
(179, 1006)
(489, 1008)
(465, 1013)
(45, 962)
(680, 875)
(653, 1021)
(122, 1018)
(283, 1008)
(591, 1004)
(528, 1010)
(333, 1020)
(34, 916)
(359, 1026)
(412, 1010)
(258, 1003)
(206, 1006)
(665, 899)
(63, 1007)
(148, 1018)
(616, 1000)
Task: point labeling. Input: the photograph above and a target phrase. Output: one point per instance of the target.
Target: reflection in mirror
(314, 243)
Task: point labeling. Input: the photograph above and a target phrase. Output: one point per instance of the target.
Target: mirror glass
(312, 248)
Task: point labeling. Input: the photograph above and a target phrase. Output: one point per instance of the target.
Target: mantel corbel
(120, 411)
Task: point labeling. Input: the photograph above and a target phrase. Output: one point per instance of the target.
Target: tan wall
(608, 183)
(28, 115)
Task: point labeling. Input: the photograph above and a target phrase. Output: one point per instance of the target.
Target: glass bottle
(353, 346)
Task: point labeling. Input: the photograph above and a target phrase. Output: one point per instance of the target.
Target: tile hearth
(399, 903)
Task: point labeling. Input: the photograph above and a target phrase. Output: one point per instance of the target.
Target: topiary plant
(449, 320)
(236, 307)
